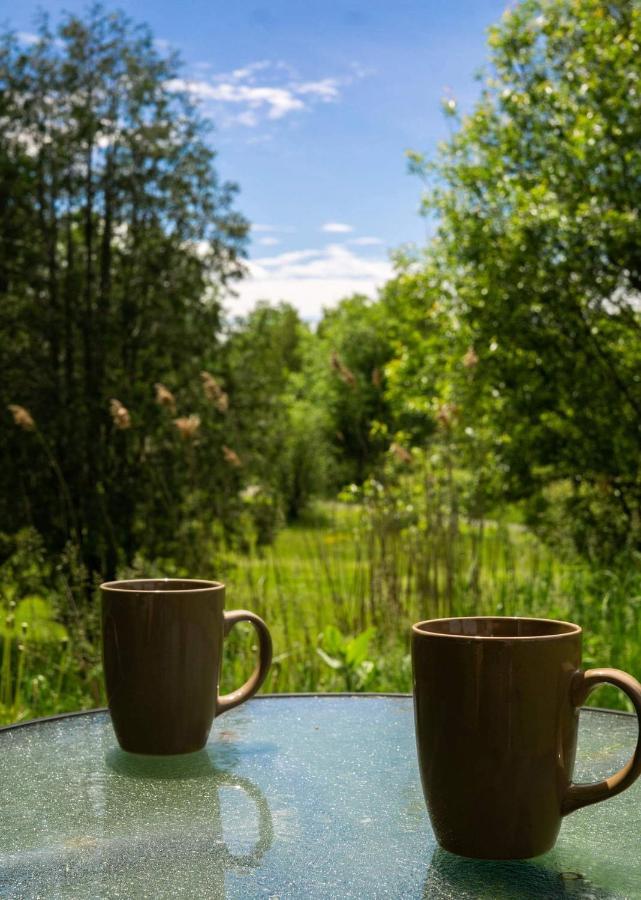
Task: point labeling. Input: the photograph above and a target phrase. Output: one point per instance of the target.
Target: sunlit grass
(335, 577)
(335, 572)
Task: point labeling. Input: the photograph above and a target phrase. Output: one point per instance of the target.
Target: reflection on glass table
(293, 797)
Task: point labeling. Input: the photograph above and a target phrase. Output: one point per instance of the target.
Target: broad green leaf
(357, 647)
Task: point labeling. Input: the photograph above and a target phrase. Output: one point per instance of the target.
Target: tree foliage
(537, 260)
(265, 356)
(116, 236)
(348, 373)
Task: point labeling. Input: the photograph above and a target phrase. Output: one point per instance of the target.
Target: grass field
(339, 592)
(340, 597)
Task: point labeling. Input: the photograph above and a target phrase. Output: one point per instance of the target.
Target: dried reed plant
(22, 417)
(231, 457)
(164, 397)
(470, 359)
(401, 453)
(214, 393)
(188, 426)
(119, 415)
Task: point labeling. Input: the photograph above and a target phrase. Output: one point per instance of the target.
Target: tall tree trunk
(93, 394)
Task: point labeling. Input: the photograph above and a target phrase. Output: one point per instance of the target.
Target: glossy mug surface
(162, 643)
(496, 705)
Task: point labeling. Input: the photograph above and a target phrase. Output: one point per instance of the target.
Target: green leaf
(38, 616)
(357, 648)
(333, 641)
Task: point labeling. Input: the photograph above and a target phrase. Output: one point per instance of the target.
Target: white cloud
(310, 279)
(247, 118)
(263, 89)
(246, 72)
(336, 228)
(162, 44)
(283, 262)
(268, 241)
(29, 37)
(275, 101)
(365, 241)
(326, 89)
(361, 71)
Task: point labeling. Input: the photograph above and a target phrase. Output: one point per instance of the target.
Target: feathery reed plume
(22, 417)
(188, 426)
(401, 453)
(446, 414)
(231, 457)
(342, 371)
(214, 392)
(377, 378)
(470, 359)
(119, 415)
(164, 397)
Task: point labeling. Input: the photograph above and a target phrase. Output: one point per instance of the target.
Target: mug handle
(235, 698)
(579, 795)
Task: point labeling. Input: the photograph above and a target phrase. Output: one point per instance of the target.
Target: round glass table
(293, 797)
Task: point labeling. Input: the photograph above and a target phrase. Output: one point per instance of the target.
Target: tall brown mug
(162, 646)
(496, 704)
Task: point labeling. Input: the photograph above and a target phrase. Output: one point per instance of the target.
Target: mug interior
(496, 627)
(154, 585)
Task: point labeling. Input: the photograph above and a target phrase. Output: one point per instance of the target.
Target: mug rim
(419, 629)
(162, 585)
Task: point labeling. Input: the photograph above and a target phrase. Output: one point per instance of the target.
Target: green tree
(116, 238)
(538, 259)
(281, 440)
(347, 378)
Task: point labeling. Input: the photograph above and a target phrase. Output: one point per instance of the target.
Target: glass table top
(293, 797)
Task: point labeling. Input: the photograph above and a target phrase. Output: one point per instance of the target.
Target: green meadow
(339, 593)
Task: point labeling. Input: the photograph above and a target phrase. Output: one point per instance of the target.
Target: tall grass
(352, 573)
(339, 591)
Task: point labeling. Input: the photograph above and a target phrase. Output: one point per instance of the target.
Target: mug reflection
(182, 822)
(189, 787)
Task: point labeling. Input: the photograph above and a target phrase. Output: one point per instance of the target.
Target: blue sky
(315, 104)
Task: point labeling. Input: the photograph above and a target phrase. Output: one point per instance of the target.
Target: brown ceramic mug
(162, 646)
(496, 705)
